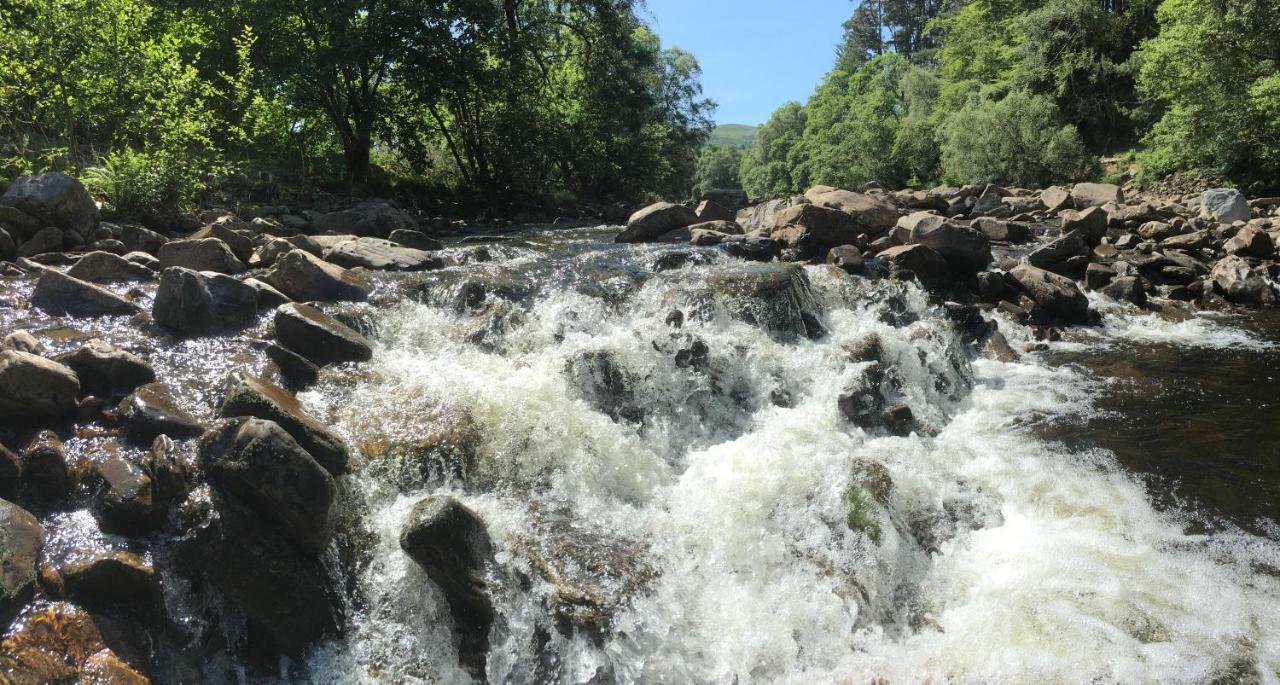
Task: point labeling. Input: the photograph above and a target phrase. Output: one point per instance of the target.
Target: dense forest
(528, 98)
(1030, 92)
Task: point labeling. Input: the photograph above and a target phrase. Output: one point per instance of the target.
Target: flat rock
(1085, 195)
(381, 255)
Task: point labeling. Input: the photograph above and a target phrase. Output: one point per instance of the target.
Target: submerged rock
(151, 411)
(775, 297)
(451, 544)
(62, 643)
(111, 581)
(21, 539)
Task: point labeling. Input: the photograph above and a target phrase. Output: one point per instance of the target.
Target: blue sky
(755, 54)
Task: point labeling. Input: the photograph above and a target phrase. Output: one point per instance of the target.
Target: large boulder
(930, 268)
(874, 215)
(258, 463)
(254, 397)
(1058, 250)
(1224, 205)
(1086, 195)
(415, 239)
(1239, 282)
(908, 224)
(104, 369)
(1091, 223)
(21, 538)
(208, 254)
(34, 387)
(710, 210)
(778, 298)
(240, 244)
(450, 543)
(1056, 198)
(1251, 242)
(141, 239)
(105, 267)
(56, 199)
(44, 241)
(814, 229)
(307, 278)
(762, 218)
(1058, 297)
(18, 223)
(197, 303)
(655, 220)
(59, 294)
(966, 250)
(374, 219)
(319, 337)
(381, 255)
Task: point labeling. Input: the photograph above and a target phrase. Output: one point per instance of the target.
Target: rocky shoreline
(244, 505)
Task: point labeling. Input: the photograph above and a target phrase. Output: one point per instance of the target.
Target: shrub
(1018, 140)
(136, 184)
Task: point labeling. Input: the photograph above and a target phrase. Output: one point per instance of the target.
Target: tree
(718, 169)
(774, 163)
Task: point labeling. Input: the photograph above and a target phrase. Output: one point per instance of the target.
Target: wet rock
(306, 278)
(1126, 289)
(1058, 250)
(59, 294)
(54, 198)
(104, 267)
(209, 254)
(655, 220)
(373, 219)
(104, 369)
(966, 250)
(170, 471)
(752, 249)
(21, 539)
(898, 420)
(762, 218)
(34, 387)
(1085, 195)
(1238, 282)
(259, 464)
(814, 230)
(997, 347)
(128, 504)
(254, 397)
(151, 411)
(296, 370)
(240, 244)
(319, 337)
(710, 210)
(1002, 231)
(381, 255)
(139, 239)
(451, 544)
(143, 259)
(848, 259)
(776, 297)
(284, 593)
(111, 581)
(1090, 224)
(46, 240)
(1251, 242)
(10, 472)
(268, 297)
(1224, 205)
(1057, 296)
(8, 246)
(604, 385)
(929, 267)
(1097, 276)
(62, 643)
(415, 239)
(872, 214)
(45, 471)
(197, 303)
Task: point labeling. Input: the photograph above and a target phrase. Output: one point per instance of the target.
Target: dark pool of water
(1202, 424)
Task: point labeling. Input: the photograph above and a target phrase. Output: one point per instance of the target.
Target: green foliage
(774, 164)
(1214, 69)
(136, 184)
(1020, 139)
(733, 135)
(718, 169)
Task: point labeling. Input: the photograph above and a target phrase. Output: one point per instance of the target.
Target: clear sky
(755, 54)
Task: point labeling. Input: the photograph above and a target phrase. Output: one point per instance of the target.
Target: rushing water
(641, 426)
(1018, 538)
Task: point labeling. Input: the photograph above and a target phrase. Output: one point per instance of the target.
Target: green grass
(733, 135)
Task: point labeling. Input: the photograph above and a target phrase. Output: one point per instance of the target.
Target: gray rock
(21, 539)
(196, 303)
(22, 341)
(241, 245)
(381, 255)
(374, 219)
(1058, 297)
(208, 254)
(1058, 250)
(1091, 223)
(8, 246)
(19, 223)
(105, 267)
(259, 464)
(296, 370)
(151, 411)
(1224, 205)
(966, 250)
(415, 239)
(35, 387)
(268, 297)
(104, 369)
(655, 220)
(59, 294)
(139, 239)
(929, 267)
(451, 544)
(319, 337)
(45, 240)
(1238, 282)
(306, 278)
(54, 198)
(257, 398)
(1085, 195)
(1056, 198)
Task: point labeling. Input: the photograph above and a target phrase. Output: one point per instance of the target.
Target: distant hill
(734, 135)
